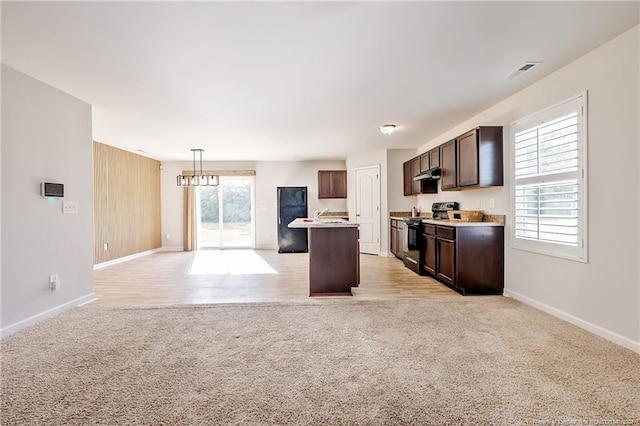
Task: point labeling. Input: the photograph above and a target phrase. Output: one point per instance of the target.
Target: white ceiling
(294, 81)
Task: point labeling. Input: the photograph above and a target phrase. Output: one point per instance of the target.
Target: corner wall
(46, 136)
(602, 296)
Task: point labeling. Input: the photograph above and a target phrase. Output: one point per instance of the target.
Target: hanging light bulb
(196, 179)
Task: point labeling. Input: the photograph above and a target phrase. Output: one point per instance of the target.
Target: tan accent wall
(126, 201)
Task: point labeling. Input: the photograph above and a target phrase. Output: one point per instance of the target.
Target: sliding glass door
(226, 213)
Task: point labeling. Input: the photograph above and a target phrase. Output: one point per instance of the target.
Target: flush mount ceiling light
(387, 129)
(197, 179)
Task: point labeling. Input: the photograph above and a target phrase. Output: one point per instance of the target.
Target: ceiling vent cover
(523, 68)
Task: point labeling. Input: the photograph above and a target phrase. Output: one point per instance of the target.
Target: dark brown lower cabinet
(429, 249)
(334, 260)
(396, 229)
(446, 260)
(396, 237)
(430, 254)
(468, 259)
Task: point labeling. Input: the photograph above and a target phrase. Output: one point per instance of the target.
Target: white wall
(269, 175)
(603, 295)
(46, 136)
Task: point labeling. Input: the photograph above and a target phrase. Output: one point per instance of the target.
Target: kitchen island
(334, 255)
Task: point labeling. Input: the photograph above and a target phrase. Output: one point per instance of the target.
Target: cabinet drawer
(446, 232)
(430, 229)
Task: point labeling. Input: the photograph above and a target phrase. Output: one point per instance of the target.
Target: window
(549, 181)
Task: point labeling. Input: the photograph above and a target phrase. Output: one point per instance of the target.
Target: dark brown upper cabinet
(424, 162)
(430, 159)
(448, 165)
(479, 157)
(407, 178)
(411, 169)
(415, 171)
(473, 159)
(434, 157)
(468, 159)
(332, 184)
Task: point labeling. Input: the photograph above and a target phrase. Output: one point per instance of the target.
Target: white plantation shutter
(549, 159)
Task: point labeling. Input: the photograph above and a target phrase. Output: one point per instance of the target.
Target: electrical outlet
(106, 246)
(492, 203)
(478, 204)
(167, 237)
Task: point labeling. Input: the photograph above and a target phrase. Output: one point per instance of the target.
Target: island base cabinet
(334, 263)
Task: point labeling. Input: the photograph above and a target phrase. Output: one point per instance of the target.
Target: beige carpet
(467, 361)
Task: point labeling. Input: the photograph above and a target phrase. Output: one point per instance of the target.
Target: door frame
(376, 223)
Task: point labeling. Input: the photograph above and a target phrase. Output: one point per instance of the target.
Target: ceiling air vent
(525, 67)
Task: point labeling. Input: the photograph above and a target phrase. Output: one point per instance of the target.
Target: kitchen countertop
(494, 220)
(331, 223)
(457, 224)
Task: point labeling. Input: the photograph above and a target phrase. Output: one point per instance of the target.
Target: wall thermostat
(50, 189)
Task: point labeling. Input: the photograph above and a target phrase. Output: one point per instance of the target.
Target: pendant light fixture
(197, 179)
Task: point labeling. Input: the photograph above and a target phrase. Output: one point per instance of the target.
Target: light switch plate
(69, 207)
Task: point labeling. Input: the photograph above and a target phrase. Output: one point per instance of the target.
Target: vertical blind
(548, 176)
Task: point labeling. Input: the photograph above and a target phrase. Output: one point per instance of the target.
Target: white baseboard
(595, 329)
(172, 248)
(20, 325)
(124, 259)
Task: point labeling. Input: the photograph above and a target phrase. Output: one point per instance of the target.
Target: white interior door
(368, 208)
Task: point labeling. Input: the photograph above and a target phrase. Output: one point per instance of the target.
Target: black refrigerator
(292, 204)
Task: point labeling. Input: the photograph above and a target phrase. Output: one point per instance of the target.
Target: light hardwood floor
(179, 278)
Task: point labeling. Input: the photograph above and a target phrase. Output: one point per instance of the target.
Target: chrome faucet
(318, 213)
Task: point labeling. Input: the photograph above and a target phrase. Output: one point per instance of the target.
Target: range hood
(430, 174)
